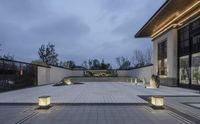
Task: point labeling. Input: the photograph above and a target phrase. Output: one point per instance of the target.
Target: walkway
(92, 92)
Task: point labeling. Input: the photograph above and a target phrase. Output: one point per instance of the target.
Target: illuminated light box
(157, 101)
(68, 82)
(44, 101)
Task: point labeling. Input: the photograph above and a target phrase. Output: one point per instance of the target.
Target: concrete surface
(92, 92)
(87, 115)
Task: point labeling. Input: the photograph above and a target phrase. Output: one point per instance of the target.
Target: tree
(96, 64)
(141, 58)
(90, 63)
(85, 64)
(70, 64)
(138, 58)
(7, 57)
(67, 64)
(123, 62)
(118, 59)
(105, 65)
(63, 64)
(48, 55)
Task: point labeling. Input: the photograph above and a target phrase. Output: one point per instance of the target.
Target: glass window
(184, 70)
(183, 39)
(196, 43)
(189, 49)
(195, 24)
(196, 69)
(162, 58)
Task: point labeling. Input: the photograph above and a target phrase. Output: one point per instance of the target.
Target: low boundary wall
(55, 74)
(144, 72)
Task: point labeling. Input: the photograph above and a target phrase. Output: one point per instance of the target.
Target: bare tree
(85, 64)
(71, 64)
(123, 62)
(118, 60)
(96, 64)
(48, 54)
(8, 57)
(149, 55)
(90, 63)
(141, 58)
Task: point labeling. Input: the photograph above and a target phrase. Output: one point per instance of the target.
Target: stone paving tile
(180, 104)
(91, 92)
(196, 105)
(102, 115)
(12, 114)
(86, 115)
(104, 92)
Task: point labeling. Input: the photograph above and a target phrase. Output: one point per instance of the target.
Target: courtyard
(76, 62)
(92, 92)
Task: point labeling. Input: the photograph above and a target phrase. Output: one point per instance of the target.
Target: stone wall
(142, 73)
(123, 73)
(43, 75)
(77, 73)
(52, 74)
(57, 74)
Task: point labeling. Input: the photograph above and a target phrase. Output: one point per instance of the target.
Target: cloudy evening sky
(80, 29)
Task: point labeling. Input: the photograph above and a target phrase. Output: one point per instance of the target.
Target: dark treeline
(6, 56)
(95, 64)
(48, 56)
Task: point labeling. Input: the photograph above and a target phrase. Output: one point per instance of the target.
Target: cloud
(23, 10)
(63, 29)
(80, 30)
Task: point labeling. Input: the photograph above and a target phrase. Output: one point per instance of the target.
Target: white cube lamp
(157, 101)
(44, 101)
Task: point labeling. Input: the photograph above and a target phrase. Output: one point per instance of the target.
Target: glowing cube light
(68, 82)
(44, 101)
(157, 101)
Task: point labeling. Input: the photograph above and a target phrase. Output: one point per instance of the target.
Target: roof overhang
(172, 14)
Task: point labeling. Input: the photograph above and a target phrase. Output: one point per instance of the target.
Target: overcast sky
(80, 29)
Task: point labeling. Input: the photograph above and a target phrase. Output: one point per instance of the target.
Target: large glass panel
(162, 58)
(196, 43)
(184, 70)
(195, 24)
(196, 69)
(183, 39)
(189, 49)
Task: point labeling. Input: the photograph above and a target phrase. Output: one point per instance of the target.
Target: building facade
(175, 33)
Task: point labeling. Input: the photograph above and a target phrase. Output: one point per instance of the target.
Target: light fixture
(157, 101)
(44, 101)
(68, 81)
(172, 24)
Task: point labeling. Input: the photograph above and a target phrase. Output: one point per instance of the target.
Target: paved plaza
(92, 92)
(72, 105)
(88, 115)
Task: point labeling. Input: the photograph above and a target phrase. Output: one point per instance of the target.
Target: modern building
(175, 33)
